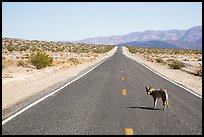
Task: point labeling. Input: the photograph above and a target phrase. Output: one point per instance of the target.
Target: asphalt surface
(95, 105)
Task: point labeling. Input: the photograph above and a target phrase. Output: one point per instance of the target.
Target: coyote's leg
(155, 102)
(165, 102)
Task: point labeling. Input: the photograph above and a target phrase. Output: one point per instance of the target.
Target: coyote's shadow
(148, 108)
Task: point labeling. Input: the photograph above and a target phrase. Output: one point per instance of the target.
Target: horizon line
(97, 36)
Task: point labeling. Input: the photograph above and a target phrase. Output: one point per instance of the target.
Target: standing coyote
(158, 93)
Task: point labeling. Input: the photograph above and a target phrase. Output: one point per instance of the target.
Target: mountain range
(183, 39)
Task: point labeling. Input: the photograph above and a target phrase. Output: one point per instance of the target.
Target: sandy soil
(19, 83)
(190, 81)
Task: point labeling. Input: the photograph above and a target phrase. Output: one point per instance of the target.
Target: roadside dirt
(180, 76)
(20, 83)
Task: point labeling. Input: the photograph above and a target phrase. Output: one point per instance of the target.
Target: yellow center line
(129, 131)
(122, 78)
(121, 71)
(124, 92)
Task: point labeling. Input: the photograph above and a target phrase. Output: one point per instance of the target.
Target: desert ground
(19, 83)
(21, 80)
(189, 76)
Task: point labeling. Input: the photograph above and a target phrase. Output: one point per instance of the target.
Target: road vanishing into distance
(111, 100)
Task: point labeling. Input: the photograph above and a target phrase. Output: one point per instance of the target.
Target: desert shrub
(21, 63)
(149, 58)
(196, 51)
(169, 61)
(58, 49)
(33, 49)
(41, 59)
(25, 56)
(198, 70)
(74, 60)
(10, 47)
(132, 49)
(160, 60)
(176, 64)
(24, 48)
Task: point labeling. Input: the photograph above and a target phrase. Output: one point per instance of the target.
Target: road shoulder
(16, 98)
(191, 82)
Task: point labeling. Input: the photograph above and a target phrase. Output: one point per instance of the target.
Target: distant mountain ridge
(150, 44)
(186, 39)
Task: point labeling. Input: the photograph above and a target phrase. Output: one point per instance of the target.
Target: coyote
(158, 93)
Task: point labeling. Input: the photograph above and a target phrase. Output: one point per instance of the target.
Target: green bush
(160, 60)
(74, 60)
(41, 60)
(10, 47)
(24, 48)
(176, 65)
(132, 49)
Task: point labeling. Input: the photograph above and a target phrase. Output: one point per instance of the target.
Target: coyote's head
(148, 90)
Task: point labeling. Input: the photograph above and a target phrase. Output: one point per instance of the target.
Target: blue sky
(70, 21)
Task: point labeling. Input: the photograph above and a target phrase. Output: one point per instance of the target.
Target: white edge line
(43, 98)
(192, 92)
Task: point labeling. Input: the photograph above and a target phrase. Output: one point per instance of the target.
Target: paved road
(95, 104)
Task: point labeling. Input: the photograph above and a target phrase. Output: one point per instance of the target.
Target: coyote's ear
(150, 86)
(146, 87)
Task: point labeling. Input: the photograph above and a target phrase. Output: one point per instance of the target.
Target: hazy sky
(78, 20)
